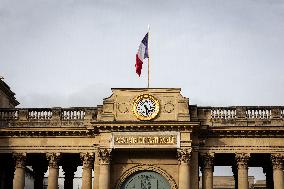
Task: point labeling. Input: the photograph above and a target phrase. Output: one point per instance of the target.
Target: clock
(146, 107)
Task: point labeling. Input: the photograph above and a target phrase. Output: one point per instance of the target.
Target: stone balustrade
(241, 116)
(32, 116)
(213, 116)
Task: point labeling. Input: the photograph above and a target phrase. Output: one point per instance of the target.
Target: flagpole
(148, 57)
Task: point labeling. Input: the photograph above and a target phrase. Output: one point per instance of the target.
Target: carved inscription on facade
(146, 139)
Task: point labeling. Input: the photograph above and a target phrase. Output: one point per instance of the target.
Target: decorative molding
(242, 160)
(53, 159)
(238, 149)
(245, 132)
(145, 167)
(277, 161)
(43, 132)
(20, 160)
(123, 107)
(87, 159)
(168, 107)
(105, 155)
(184, 155)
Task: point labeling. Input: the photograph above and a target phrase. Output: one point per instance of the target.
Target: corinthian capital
(277, 161)
(242, 160)
(105, 155)
(20, 159)
(53, 159)
(87, 159)
(207, 161)
(184, 155)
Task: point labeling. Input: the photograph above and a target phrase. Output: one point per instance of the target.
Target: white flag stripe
(141, 51)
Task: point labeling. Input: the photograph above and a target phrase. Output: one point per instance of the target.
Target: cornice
(145, 126)
(246, 132)
(31, 132)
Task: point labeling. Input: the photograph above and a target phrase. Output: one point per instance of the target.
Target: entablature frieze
(241, 149)
(30, 132)
(144, 126)
(245, 132)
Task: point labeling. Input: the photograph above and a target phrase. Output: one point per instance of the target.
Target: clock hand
(146, 108)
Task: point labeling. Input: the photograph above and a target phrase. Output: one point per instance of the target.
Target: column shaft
(104, 178)
(19, 177)
(278, 179)
(278, 176)
(96, 170)
(184, 176)
(53, 159)
(87, 159)
(184, 155)
(207, 178)
(242, 165)
(53, 178)
(207, 170)
(243, 178)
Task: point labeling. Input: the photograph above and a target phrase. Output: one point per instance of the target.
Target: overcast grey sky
(71, 52)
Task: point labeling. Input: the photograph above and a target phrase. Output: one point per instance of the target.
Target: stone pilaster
(277, 165)
(39, 169)
(87, 159)
(69, 170)
(207, 168)
(53, 159)
(242, 166)
(19, 177)
(105, 158)
(184, 155)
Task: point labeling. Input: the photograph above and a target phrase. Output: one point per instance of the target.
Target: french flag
(141, 54)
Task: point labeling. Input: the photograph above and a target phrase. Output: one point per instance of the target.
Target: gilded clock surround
(136, 102)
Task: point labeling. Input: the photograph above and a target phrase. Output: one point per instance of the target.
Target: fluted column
(105, 158)
(53, 159)
(278, 176)
(87, 159)
(69, 169)
(96, 169)
(19, 177)
(242, 165)
(207, 168)
(39, 169)
(184, 168)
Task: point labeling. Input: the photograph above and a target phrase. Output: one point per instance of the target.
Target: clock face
(146, 107)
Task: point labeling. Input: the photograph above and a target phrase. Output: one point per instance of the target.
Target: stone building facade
(7, 97)
(141, 138)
